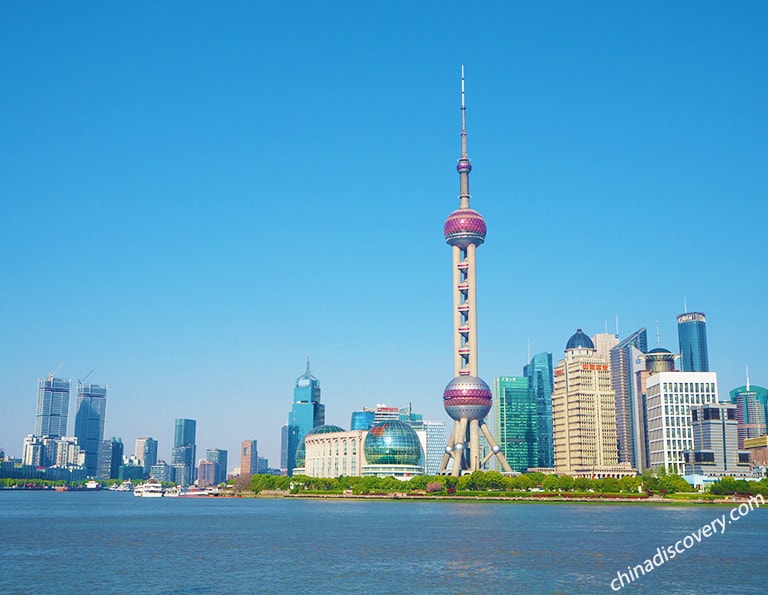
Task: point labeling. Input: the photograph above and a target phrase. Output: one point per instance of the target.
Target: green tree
(582, 484)
(611, 485)
(565, 483)
(550, 483)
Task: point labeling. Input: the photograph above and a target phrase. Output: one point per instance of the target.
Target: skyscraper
(146, 453)
(307, 413)
(670, 398)
(52, 407)
(624, 364)
(515, 421)
(467, 398)
(249, 457)
(89, 423)
(110, 458)
(751, 410)
(584, 413)
(540, 376)
(715, 438)
(218, 456)
(184, 449)
(692, 333)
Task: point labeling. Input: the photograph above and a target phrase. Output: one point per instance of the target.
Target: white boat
(174, 492)
(126, 486)
(149, 489)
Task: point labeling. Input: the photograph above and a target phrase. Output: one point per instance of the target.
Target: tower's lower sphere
(467, 397)
(464, 227)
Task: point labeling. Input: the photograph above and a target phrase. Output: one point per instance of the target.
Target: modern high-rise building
(692, 333)
(249, 457)
(716, 452)
(110, 458)
(208, 473)
(603, 343)
(467, 398)
(184, 450)
(146, 453)
(515, 422)
(670, 397)
(307, 413)
(434, 445)
(89, 423)
(540, 376)
(584, 413)
(52, 407)
(218, 456)
(625, 362)
(751, 411)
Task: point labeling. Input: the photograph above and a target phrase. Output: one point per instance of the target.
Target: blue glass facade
(362, 420)
(184, 448)
(692, 334)
(516, 422)
(52, 407)
(540, 377)
(89, 423)
(307, 413)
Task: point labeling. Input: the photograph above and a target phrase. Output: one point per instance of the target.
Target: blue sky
(197, 195)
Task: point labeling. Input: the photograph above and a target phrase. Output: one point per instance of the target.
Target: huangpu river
(108, 542)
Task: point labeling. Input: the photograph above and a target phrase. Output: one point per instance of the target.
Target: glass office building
(89, 423)
(52, 407)
(516, 421)
(692, 334)
(539, 373)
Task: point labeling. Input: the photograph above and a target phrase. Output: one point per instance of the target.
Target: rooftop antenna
(747, 377)
(658, 335)
(685, 306)
(308, 373)
(617, 326)
(606, 326)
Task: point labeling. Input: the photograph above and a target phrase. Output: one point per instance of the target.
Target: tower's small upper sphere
(464, 227)
(579, 341)
(467, 396)
(463, 166)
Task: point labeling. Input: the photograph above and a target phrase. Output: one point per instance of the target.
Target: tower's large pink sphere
(467, 396)
(464, 227)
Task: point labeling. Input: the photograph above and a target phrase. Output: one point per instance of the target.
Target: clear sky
(197, 195)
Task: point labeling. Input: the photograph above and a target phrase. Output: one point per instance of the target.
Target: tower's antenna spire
(308, 372)
(658, 335)
(464, 166)
(463, 119)
(747, 377)
(685, 306)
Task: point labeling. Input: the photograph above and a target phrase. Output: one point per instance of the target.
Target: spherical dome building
(301, 449)
(579, 341)
(464, 227)
(392, 443)
(467, 396)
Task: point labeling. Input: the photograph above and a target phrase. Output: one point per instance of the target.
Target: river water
(107, 542)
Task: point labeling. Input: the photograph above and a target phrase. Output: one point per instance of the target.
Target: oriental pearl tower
(467, 398)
